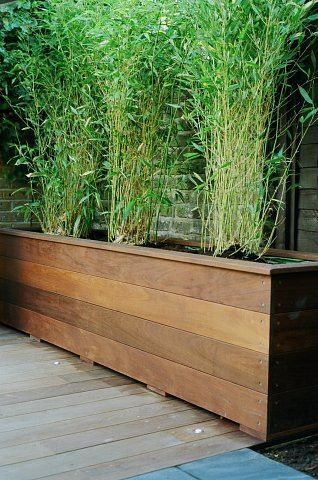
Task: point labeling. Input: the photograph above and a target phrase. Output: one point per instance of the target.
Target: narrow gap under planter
(237, 338)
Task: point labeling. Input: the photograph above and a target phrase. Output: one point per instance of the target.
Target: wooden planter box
(234, 337)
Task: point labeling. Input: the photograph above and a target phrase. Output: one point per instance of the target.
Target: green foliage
(143, 52)
(242, 57)
(58, 68)
(17, 20)
(102, 103)
(104, 87)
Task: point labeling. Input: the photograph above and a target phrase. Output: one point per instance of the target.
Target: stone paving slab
(166, 474)
(242, 464)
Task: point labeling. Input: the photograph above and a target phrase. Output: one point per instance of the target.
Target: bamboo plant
(107, 86)
(140, 97)
(56, 68)
(243, 55)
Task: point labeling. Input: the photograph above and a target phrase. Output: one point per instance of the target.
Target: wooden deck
(63, 419)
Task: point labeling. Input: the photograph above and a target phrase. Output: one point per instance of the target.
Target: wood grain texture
(242, 405)
(293, 331)
(311, 136)
(293, 370)
(276, 252)
(46, 430)
(136, 465)
(309, 155)
(236, 364)
(308, 220)
(308, 199)
(295, 292)
(309, 178)
(229, 324)
(65, 443)
(217, 262)
(293, 410)
(62, 402)
(162, 254)
(229, 287)
(308, 240)
(64, 389)
(185, 328)
(95, 420)
(90, 456)
(165, 457)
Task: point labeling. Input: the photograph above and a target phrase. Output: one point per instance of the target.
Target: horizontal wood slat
(294, 292)
(293, 410)
(309, 178)
(136, 429)
(93, 421)
(309, 156)
(308, 220)
(229, 324)
(294, 331)
(311, 135)
(99, 455)
(138, 464)
(236, 364)
(240, 341)
(164, 254)
(292, 370)
(249, 291)
(308, 240)
(224, 263)
(308, 199)
(60, 428)
(51, 392)
(242, 404)
(293, 254)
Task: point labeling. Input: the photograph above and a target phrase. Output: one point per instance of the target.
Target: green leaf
(313, 18)
(128, 209)
(173, 105)
(305, 95)
(77, 226)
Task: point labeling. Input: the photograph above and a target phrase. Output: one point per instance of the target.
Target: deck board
(62, 419)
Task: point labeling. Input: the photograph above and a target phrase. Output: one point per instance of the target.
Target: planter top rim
(172, 255)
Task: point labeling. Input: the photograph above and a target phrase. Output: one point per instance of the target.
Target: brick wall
(182, 220)
(9, 200)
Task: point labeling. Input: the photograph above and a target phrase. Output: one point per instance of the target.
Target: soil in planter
(232, 253)
(299, 454)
